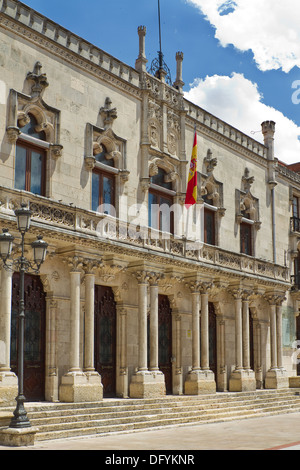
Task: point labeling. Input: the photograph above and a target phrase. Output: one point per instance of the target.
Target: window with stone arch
(210, 191)
(33, 128)
(247, 216)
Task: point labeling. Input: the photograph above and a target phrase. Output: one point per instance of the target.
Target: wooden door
(212, 338)
(34, 341)
(105, 338)
(165, 340)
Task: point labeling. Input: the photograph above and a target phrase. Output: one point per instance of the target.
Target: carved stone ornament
(210, 162)
(12, 134)
(108, 113)
(209, 186)
(40, 82)
(247, 204)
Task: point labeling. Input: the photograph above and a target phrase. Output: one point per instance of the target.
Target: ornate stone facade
(131, 310)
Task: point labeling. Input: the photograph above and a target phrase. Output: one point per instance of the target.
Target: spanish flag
(191, 192)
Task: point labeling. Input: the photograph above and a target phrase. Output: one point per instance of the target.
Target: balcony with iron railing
(295, 224)
(63, 221)
(295, 281)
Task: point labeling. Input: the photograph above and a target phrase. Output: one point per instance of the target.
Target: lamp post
(23, 215)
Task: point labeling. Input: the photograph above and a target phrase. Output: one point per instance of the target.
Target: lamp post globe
(6, 241)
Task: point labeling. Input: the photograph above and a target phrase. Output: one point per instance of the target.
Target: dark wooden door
(165, 340)
(105, 338)
(212, 338)
(34, 342)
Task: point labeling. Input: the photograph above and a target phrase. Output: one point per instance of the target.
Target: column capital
(75, 263)
(142, 276)
(154, 278)
(194, 286)
(90, 266)
(236, 292)
(275, 298)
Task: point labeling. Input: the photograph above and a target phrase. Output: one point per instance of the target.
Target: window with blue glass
(160, 202)
(30, 161)
(103, 185)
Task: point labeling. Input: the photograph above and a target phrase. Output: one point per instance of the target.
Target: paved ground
(281, 432)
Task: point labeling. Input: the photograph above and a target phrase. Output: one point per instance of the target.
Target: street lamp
(21, 264)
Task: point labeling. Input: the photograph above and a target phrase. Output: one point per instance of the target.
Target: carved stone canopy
(211, 190)
(247, 204)
(31, 110)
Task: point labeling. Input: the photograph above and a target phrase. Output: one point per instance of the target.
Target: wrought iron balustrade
(295, 224)
(74, 221)
(295, 281)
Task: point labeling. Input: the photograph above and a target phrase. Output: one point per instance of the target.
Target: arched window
(160, 201)
(103, 184)
(30, 161)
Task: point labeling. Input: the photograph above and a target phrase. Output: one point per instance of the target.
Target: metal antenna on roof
(158, 66)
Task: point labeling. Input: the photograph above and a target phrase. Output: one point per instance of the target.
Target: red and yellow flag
(191, 192)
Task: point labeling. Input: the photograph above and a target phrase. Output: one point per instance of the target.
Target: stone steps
(66, 420)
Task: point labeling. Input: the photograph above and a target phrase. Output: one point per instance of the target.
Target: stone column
(51, 388)
(89, 322)
(93, 377)
(241, 379)
(142, 322)
(75, 322)
(246, 333)
(276, 377)
(195, 328)
(153, 325)
(177, 383)
(273, 336)
(204, 331)
(198, 381)
(279, 335)
(258, 355)
(77, 386)
(122, 367)
(8, 380)
(221, 379)
(145, 383)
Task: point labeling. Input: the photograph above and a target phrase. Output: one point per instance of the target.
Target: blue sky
(241, 57)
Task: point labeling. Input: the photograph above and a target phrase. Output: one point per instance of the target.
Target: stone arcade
(122, 306)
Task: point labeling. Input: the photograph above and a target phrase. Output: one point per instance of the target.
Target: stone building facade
(135, 302)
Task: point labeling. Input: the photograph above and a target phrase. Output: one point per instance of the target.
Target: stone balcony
(58, 220)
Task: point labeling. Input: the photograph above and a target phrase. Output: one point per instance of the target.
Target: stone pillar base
(276, 378)
(242, 381)
(200, 381)
(18, 437)
(79, 387)
(147, 384)
(8, 388)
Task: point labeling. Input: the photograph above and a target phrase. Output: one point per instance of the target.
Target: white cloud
(237, 101)
(269, 28)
